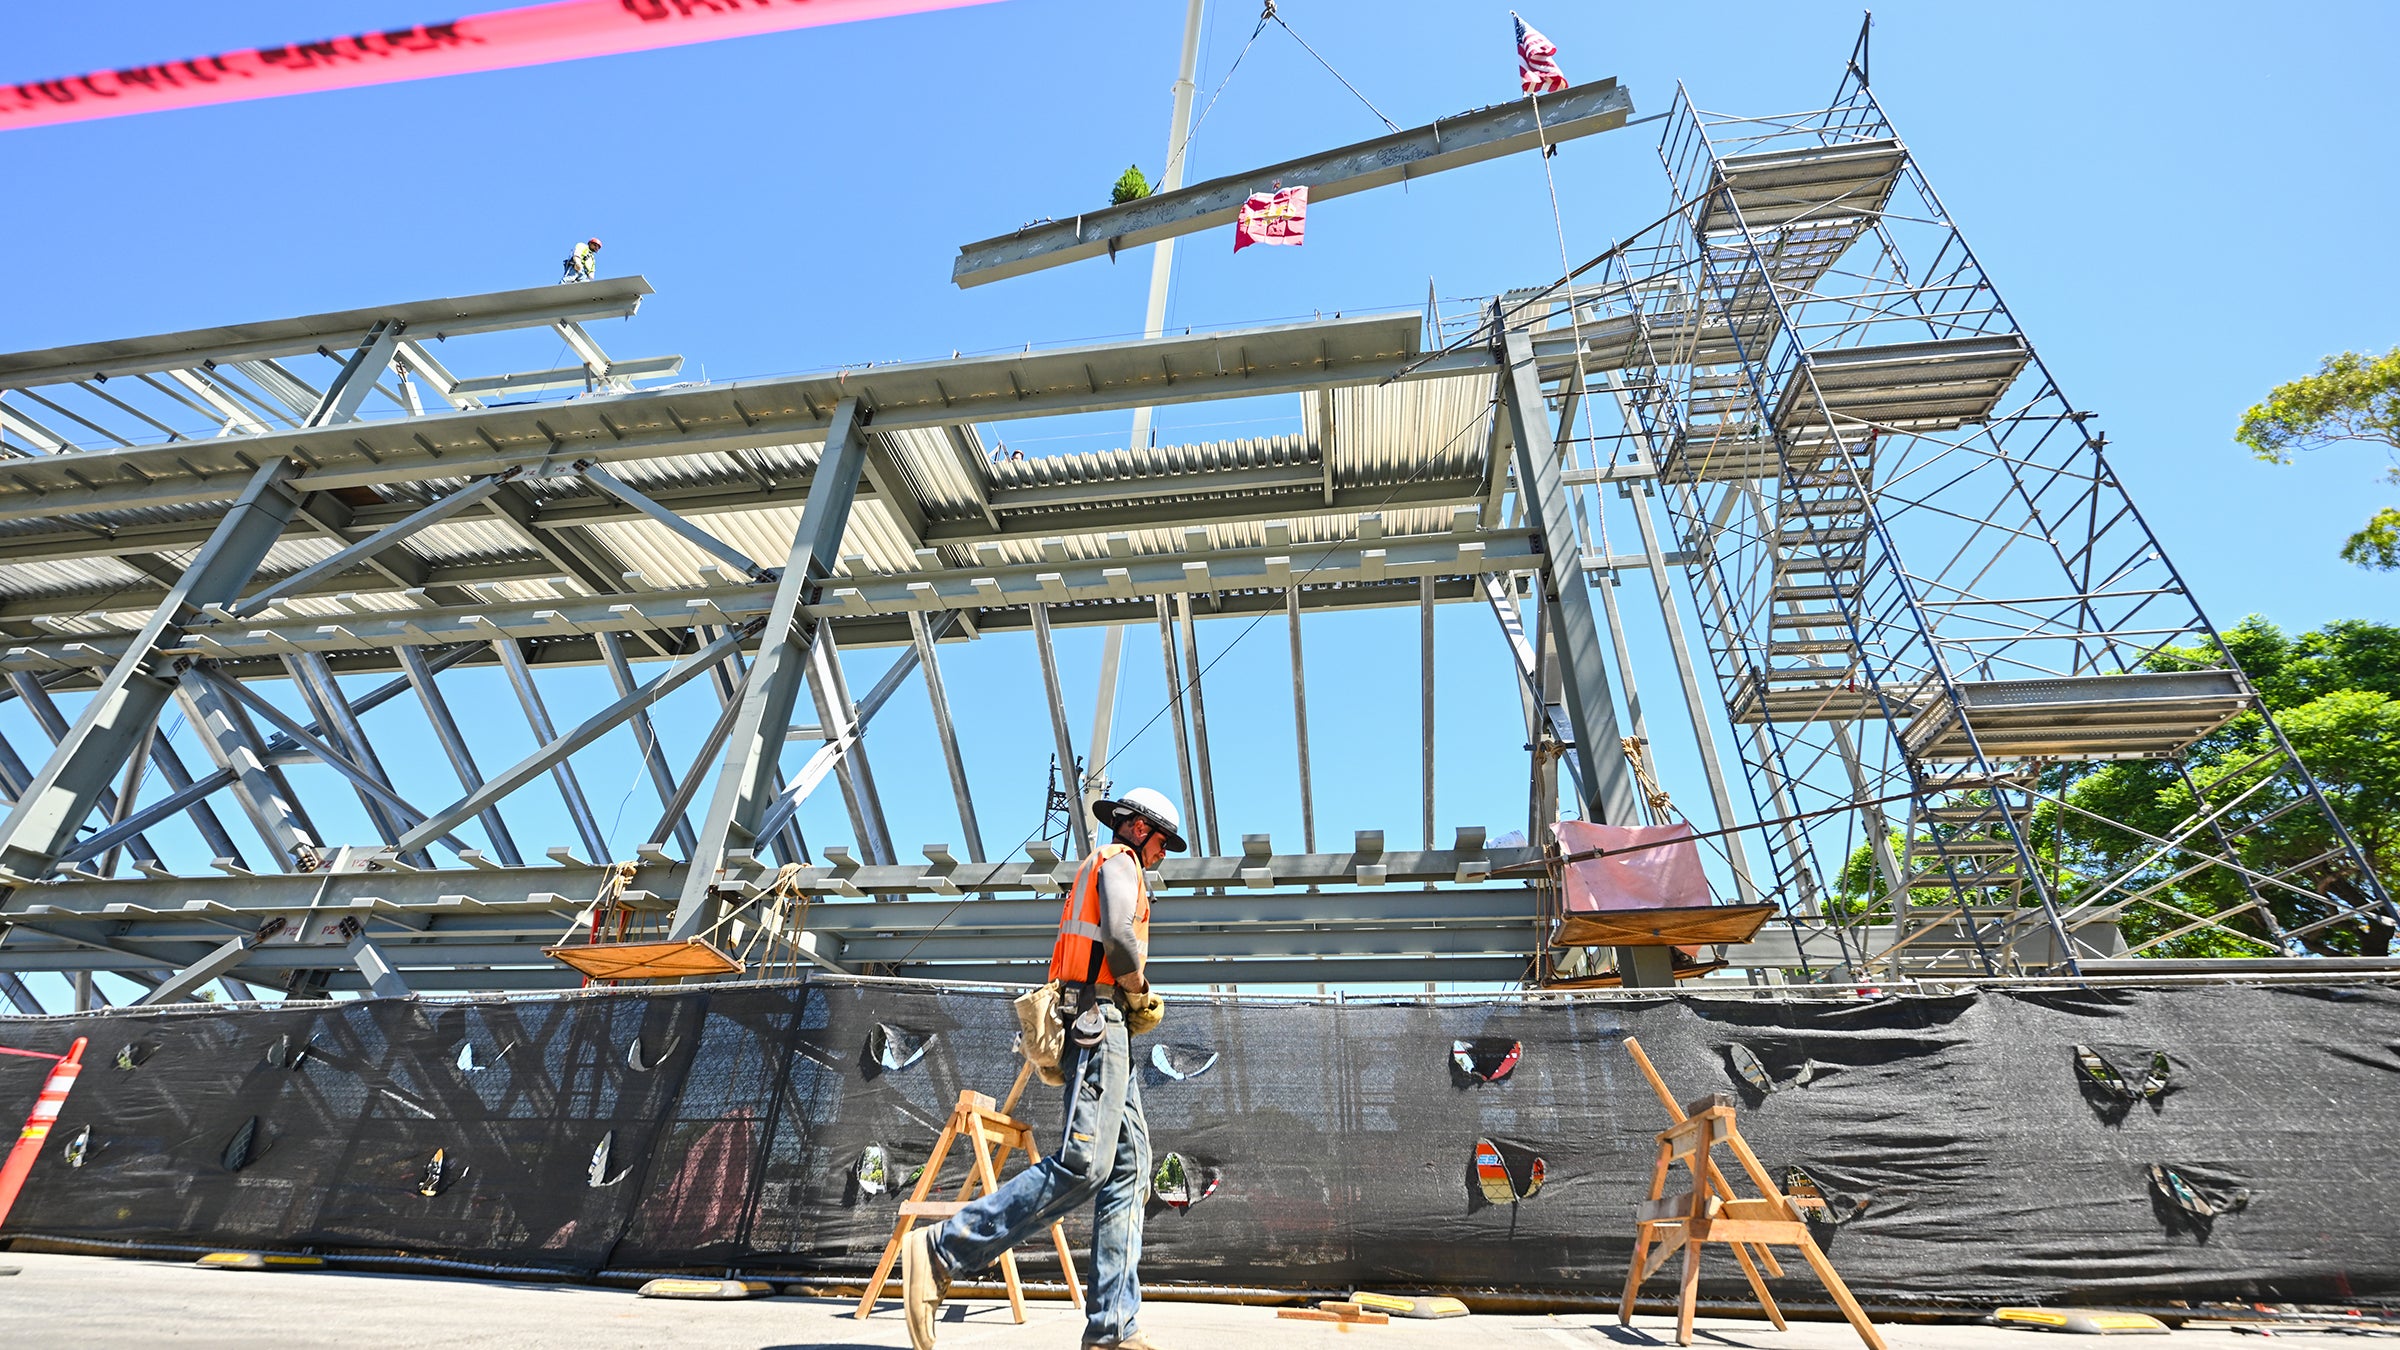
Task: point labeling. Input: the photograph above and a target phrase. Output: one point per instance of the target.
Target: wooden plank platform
(1682, 926)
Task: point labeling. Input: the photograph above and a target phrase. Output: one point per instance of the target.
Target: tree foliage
(1131, 186)
(2352, 397)
(2335, 693)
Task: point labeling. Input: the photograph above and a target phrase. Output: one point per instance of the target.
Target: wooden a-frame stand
(982, 1125)
(1711, 1212)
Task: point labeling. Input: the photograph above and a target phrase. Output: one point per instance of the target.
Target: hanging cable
(1271, 14)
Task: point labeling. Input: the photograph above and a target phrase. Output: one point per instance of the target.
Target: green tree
(2336, 694)
(1131, 186)
(2352, 397)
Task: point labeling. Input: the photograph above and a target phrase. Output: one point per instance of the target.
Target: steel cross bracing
(1916, 574)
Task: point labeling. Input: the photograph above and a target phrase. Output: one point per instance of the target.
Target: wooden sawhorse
(1712, 1212)
(982, 1125)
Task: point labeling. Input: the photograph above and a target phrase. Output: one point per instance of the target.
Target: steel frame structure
(743, 535)
(1923, 607)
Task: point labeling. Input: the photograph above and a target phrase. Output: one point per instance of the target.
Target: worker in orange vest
(1103, 941)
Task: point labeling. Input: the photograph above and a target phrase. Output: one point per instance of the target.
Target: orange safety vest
(1079, 931)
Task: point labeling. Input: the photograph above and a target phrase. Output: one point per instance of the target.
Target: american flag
(1537, 61)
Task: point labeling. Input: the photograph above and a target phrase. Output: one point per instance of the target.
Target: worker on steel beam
(1096, 963)
(583, 263)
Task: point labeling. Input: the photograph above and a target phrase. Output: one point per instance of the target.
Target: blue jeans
(1105, 1154)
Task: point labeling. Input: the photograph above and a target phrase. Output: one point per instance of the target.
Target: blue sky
(2183, 205)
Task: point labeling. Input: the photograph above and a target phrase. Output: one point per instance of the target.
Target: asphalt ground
(104, 1303)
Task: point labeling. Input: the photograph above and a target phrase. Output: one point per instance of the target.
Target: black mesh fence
(1967, 1151)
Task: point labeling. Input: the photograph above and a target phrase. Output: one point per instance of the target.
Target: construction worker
(1103, 936)
(583, 262)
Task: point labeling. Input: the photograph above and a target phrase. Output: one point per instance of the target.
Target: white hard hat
(1148, 804)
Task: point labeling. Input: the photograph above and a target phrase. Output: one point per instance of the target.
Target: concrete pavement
(106, 1303)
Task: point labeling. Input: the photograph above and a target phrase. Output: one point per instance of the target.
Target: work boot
(1136, 1341)
(924, 1283)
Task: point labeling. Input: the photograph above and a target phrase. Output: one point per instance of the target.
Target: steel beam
(454, 746)
(374, 543)
(746, 782)
(54, 806)
(683, 529)
(54, 725)
(349, 390)
(264, 796)
(21, 996)
(1604, 783)
(838, 746)
(939, 697)
(1104, 714)
(1469, 138)
(219, 962)
(1078, 824)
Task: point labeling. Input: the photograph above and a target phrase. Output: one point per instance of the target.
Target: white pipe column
(1154, 323)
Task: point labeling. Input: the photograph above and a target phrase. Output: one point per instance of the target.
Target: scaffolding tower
(1929, 605)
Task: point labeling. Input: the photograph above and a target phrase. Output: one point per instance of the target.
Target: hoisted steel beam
(1470, 138)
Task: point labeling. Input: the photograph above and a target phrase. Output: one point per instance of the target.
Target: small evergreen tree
(1131, 186)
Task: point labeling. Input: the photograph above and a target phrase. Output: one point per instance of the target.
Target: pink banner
(1278, 219)
(566, 31)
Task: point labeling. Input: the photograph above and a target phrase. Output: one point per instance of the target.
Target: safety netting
(2199, 1142)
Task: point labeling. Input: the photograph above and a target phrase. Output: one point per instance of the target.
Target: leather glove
(1144, 1013)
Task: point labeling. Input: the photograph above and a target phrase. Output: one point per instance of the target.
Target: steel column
(1183, 743)
(1603, 780)
(1077, 816)
(1425, 663)
(62, 795)
(1208, 787)
(922, 634)
(1104, 712)
(1308, 795)
(747, 781)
